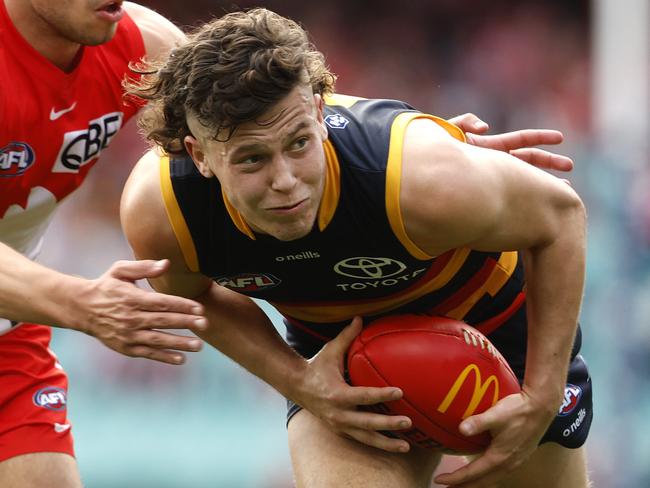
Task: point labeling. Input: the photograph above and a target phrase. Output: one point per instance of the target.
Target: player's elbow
(575, 209)
(569, 217)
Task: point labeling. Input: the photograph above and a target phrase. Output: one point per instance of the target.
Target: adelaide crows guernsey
(357, 260)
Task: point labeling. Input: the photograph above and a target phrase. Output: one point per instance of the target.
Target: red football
(447, 370)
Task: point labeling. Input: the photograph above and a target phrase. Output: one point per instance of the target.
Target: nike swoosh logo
(55, 114)
(59, 428)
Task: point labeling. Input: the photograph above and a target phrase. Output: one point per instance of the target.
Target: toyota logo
(365, 267)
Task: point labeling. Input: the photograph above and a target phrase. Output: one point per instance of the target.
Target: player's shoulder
(346, 109)
(361, 129)
(142, 209)
(143, 185)
(159, 34)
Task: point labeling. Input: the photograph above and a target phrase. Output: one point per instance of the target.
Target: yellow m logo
(480, 389)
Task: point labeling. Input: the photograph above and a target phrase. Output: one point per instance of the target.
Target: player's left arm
(457, 195)
(159, 34)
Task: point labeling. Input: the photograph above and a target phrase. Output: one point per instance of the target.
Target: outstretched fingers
(138, 270)
(543, 159)
(161, 346)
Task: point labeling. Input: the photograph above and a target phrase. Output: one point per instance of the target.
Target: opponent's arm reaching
(519, 143)
(111, 308)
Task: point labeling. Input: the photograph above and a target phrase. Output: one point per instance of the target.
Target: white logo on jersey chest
(82, 146)
(55, 114)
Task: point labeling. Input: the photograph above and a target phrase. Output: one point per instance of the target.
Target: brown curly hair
(231, 70)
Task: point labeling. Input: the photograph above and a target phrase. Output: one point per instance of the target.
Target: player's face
(88, 22)
(273, 170)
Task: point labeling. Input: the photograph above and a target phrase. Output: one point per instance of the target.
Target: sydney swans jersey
(358, 259)
(55, 124)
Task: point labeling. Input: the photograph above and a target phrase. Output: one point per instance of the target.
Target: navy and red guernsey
(358, 259)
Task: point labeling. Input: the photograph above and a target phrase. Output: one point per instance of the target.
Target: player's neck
(62, 52)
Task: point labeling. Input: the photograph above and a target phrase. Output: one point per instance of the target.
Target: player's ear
(319, 104)
(196, 152)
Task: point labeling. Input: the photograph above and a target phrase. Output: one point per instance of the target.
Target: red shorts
(33, 395)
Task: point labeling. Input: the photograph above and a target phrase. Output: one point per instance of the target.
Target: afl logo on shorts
(15, 159)
(51, 397)
(572, 394)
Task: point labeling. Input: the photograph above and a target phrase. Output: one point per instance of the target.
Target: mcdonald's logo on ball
(447, 370)
(478, 393)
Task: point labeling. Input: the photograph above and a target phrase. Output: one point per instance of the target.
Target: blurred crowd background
(578, 65)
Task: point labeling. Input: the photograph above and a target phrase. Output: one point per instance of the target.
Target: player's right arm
(111, 308)
(241, 330)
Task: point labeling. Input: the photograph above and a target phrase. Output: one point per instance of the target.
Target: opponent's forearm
(555, 282)
(30, 292)
(242, 331)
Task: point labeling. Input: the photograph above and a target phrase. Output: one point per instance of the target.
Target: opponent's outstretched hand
(125, 317)
(517, 423)
(335, 402)
(519, 143)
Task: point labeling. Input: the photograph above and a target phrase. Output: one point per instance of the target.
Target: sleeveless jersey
(357, 260)
(54, 125)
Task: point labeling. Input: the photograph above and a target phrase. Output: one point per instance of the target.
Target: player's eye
(250, 159)
(299, 143)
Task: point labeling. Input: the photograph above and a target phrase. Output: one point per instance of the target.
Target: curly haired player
(333, 207)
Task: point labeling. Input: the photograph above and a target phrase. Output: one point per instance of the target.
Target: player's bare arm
(456, 195)
(110, 308)
(243, 332)
(159, 34)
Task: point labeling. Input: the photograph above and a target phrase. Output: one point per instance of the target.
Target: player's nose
(282, 174)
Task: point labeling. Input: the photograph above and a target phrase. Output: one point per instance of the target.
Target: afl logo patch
(572, 395)
(51, 397)
(336, 121)
(15, 159)
(248, 281)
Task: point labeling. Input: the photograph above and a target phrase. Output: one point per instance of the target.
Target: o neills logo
(298, 257)
(479, 392)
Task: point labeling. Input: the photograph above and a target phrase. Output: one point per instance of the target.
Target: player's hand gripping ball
(447, 370)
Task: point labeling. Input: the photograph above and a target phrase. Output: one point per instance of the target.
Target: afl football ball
(446, 369)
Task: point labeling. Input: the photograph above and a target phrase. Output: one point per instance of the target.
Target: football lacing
(473, 339)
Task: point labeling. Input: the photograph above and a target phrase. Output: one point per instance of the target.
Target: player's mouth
(111, 11)
(289, 209)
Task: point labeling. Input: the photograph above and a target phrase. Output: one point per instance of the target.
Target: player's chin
(291, 233)
(100, 33)
(290, 229)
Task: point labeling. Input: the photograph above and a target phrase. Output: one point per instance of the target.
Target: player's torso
(355, 261)
(54, 125)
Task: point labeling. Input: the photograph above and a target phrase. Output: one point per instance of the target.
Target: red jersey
(55, 124)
